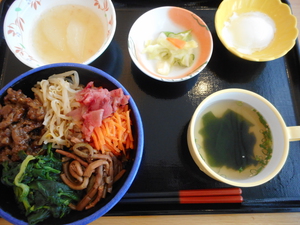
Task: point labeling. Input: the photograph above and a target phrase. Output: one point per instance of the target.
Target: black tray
(166, 109)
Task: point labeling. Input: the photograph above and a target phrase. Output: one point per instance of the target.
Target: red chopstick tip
(211, 192)
(211, 199)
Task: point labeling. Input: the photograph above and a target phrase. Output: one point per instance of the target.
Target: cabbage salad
(171, 49)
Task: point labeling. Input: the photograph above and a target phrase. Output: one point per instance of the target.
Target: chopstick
(202, 196)
(184, 200)
(187, 193)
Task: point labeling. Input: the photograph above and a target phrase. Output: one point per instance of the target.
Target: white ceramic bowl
(281, 136)
(171, 19)
(22, 16)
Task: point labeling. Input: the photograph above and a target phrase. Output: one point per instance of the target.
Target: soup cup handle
(294, 133)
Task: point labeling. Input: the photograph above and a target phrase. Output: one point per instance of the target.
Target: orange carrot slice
(177, 42)
(115, 133)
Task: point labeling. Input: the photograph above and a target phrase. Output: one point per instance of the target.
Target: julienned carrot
(94, 137)
(115, 133)
(177, 42)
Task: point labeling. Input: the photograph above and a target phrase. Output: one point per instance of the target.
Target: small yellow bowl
(286, 26)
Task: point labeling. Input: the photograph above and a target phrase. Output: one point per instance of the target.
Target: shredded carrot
(94, 137)
(115, 133)
(177, 42)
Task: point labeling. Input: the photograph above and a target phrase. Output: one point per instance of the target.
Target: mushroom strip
(76, 170)
(93, 192)
(119, 175)
(76, 167)
(66, 171)
(98, 197)
(110, 172)
(91, 171)
(92, 166)
(80, 150)
(70, 155)
(75, 186)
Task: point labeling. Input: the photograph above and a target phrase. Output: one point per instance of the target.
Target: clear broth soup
(68, 33)
(258, 135)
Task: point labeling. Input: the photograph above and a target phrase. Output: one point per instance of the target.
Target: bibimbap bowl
(8, 205)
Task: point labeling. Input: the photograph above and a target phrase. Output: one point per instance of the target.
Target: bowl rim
(110, 38)
(168, 79)
(198, 159)
(139, 147)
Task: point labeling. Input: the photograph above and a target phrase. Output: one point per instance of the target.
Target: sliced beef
(21, 125)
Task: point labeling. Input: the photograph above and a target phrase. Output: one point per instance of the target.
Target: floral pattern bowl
(22, 17)
(169, 19)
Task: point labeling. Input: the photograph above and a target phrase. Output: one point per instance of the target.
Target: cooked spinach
(38, 188)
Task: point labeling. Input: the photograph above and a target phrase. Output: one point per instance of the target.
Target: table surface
(213, 219)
